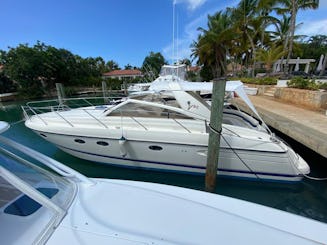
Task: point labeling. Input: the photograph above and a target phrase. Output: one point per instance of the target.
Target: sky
(125, 31)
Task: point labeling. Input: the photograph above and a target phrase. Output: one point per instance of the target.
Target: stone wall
(311, 99)
(261, 88)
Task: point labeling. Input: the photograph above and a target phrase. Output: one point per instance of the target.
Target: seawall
(306, 126)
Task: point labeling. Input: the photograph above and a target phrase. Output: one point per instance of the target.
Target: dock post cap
(3, 126)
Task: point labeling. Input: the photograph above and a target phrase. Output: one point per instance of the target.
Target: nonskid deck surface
(78, 121)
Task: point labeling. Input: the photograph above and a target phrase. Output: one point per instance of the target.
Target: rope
(215, 130)
(218, 132)
(314, 178)
(14, 123)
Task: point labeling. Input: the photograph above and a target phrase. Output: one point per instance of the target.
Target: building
(121, 74)
(294, 64)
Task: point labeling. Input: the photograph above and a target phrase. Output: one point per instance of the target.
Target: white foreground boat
(65, 207)
(168, 134)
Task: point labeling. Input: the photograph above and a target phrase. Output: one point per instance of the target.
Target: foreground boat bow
(65, 207)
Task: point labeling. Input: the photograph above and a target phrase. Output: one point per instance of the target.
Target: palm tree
(250, 19)
(270, 55)
(212, 46)
(292, 7)
(280, 35)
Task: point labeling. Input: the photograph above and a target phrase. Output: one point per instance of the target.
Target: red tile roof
(123, 73)
(194, 68)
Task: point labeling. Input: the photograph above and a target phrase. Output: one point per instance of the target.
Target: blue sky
(121, 30)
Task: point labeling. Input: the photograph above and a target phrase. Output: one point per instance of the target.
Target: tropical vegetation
(252, 33)
(252, 36)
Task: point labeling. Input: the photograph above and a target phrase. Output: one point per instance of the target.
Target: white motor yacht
(61, 206)
(168, 133)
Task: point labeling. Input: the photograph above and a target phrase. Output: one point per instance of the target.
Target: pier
(7, 96)
(306, 126)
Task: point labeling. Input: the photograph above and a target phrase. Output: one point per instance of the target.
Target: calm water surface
(308, 198)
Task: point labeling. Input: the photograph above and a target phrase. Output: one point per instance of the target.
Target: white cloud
(191, 4)
(182, 43)
(322, 3)
(190, 32)
(311, 28)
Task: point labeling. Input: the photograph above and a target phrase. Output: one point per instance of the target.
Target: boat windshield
(143, 110)
(19, 209)
(175, 70)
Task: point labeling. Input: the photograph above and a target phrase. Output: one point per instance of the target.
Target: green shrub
(322, 86)
(260, 81)
(302, 83)
(69, 91)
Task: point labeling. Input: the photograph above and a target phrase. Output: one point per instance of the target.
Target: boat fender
(122, 148)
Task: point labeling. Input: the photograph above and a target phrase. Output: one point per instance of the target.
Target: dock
(306, 126)
(8, 96)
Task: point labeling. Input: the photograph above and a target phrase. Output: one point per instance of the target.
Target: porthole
(43, 135)
(103, 143)
(155, 147)
(79, 141)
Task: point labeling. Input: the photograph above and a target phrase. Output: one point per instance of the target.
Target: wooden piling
(217, 105)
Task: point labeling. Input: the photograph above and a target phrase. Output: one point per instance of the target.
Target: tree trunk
(253, 53)
(292, 31)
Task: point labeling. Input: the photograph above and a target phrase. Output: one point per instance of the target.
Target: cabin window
(155, 147)
(43, 135)
(102, 143)
(79, 141)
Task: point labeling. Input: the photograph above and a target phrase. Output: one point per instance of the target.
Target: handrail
(85, 99)
(64, 118)
(95, 118)
(181, 125)
(139, 123)
(38, 116)
(55, 109)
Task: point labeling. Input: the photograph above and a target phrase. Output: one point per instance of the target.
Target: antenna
(177, 50)
(173, 51)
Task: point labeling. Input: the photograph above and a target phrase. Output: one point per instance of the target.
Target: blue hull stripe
(180, 165)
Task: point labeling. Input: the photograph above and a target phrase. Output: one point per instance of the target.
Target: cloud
(190, 32)
(191, 4)
(312, 28)
(322, 4)
(182, 43)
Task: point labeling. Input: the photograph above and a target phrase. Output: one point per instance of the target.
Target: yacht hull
(181, 157)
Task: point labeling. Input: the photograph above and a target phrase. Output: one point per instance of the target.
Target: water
(308, 198)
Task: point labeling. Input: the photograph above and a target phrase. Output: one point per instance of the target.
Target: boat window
(102, 143)
(79, 141)
(7, 192)
(155, 147)
(25, 212)
(43, 135)
(25, 206)
(141, 110)
(165, 99)
(36, 177)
